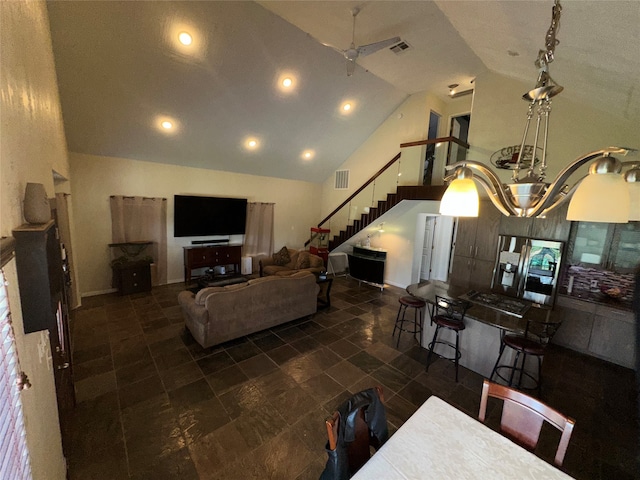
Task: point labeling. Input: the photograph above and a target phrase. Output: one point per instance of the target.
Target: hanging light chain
(546, 57)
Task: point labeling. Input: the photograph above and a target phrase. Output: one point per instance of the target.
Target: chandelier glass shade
(605, 195)
(465, 201)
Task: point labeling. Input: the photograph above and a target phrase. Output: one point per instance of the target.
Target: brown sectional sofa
(299, 261)
(218, 314)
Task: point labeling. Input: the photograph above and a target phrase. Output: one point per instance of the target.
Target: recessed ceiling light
(346, 107)
(308, 154)
(166, 124)
(185, 38)
(251, 143)
(286, 82)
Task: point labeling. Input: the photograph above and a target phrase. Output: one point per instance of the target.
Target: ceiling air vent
(342, 180)
(401, 47)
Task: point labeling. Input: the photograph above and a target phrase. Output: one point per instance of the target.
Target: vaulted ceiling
(121, 72)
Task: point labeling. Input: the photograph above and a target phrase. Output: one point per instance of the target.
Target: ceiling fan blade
(351, 67)
(332, 47)
(365, 50)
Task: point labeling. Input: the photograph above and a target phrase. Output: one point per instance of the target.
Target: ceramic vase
(36, 204)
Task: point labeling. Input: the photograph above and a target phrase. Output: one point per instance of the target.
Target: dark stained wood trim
(435, 140)
(365, 185)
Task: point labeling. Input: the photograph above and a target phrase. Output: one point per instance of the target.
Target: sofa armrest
(192, 311)
(265, 262)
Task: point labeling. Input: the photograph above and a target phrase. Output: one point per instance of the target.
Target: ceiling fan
(352, 53)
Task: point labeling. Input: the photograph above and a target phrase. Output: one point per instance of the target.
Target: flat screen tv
(195, 216)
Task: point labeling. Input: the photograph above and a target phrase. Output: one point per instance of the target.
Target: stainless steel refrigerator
(528, 268)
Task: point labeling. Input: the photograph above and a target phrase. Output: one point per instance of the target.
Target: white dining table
(441, 442)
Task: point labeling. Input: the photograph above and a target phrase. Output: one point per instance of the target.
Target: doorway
(459, 128)
(430, 154)
(433, 249)
(427, 247)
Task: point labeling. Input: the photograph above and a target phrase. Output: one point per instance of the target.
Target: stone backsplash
(582, 278)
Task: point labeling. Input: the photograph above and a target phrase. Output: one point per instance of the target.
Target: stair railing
(384, 181)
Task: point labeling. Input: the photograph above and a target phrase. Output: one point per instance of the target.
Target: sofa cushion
(315, 261)
(274, 269)
(282, 257)
(285, 273)
(303, 261)
(202, 295)
(293, 258)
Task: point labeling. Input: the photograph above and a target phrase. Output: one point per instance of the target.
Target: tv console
(209, 242)
(201, 256)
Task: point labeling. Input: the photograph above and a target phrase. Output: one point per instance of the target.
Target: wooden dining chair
(358, 451)
(523, 416)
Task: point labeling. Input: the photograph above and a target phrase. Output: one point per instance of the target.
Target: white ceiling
(118, 69)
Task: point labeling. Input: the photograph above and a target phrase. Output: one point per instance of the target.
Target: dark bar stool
(409, 302)
(537, 336)
(448, 313)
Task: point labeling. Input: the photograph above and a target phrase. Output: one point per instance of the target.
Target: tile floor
(153, 404)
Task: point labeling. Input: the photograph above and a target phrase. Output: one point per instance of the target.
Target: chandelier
(605, 195)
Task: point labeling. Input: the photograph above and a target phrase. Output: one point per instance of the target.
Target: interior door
(427, 249)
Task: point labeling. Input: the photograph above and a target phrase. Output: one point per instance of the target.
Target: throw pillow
(303, 261)
(281, 258)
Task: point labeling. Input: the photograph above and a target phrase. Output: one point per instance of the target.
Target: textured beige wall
(407, 124)
(32, 144)
(499, 116)
(95, 178)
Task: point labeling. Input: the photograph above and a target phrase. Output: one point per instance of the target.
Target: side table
(324, 298)
(132, 277)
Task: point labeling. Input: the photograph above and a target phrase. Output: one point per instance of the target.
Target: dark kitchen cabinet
(554, 226)
(608, 246)
(475, 248)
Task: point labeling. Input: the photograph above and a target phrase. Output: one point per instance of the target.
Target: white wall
(32, 144)
(401, 230)
(96, 178)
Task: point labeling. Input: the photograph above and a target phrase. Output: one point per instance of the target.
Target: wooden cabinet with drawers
(132, 277)
(209, 256)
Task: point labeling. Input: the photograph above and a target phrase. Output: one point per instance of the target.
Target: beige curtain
(258, 237)
(142, 219)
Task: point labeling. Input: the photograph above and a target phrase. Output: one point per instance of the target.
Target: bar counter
(480, 341)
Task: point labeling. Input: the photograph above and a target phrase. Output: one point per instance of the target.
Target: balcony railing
(407, 168)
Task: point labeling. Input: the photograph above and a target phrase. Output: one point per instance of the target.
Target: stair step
(392, 199)
(419, 192)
